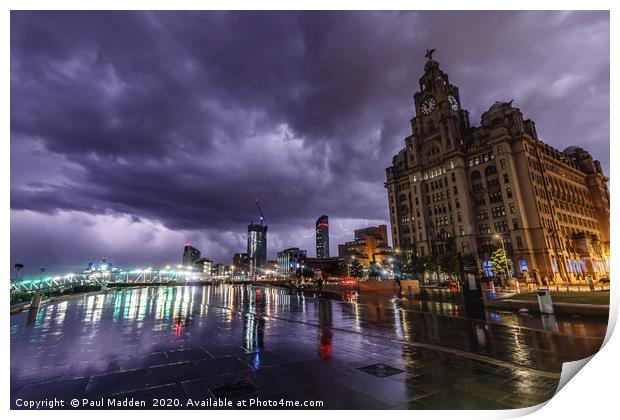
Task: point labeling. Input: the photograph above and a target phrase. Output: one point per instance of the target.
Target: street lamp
(18, 267)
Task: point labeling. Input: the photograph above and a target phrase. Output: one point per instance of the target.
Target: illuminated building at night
(290, 260)
(203, 265)
(240, 262)
(322, 237)
(369, 244)
(257, 245)
(476, 189)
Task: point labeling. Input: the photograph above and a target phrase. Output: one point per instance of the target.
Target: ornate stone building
(458, 186)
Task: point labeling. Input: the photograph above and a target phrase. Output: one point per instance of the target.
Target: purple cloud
(132, 132)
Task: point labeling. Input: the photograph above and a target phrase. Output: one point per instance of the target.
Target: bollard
(34, 308)
(36, 300)
(545, 304)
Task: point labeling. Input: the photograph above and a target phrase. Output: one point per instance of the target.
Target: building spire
(429, 53)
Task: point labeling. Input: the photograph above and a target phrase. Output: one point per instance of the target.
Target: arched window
(490, 170)
(474, 175)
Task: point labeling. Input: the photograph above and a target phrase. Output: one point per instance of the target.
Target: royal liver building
(470, 188)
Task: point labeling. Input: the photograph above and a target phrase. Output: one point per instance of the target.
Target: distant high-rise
(190, 254)
(257, 245)
(322, 237)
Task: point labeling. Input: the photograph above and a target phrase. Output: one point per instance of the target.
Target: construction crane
(262, 216)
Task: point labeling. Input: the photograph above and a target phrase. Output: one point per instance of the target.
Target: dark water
(182, 341)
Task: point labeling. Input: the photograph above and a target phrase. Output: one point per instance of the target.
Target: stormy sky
(133, 132)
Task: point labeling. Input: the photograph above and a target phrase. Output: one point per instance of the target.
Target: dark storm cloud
(182, 119)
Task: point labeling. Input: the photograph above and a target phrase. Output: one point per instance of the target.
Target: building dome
(499, 105)
(572, 149)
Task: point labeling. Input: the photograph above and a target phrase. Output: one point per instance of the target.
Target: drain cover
(381, 370)
(233, 390)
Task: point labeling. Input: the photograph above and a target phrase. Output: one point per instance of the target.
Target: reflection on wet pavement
(200, 342)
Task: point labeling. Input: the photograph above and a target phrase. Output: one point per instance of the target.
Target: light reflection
(146, 317)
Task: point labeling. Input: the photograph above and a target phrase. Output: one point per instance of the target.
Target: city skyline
(124, 167)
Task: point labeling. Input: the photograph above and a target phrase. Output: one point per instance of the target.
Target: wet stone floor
(265, 344)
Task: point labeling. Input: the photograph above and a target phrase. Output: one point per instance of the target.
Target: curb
(559, 308)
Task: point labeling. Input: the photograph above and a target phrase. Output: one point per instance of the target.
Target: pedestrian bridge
(105, 277)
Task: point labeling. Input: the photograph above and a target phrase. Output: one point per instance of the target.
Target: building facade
(257, 245)
(380, 230)
(475, 189)
(370, 244)
(290, 260)
(322, 237)
(204, 266)
(190, 254)
(241, 262)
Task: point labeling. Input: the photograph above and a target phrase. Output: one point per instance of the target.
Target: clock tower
(440, 122)
(435, 214)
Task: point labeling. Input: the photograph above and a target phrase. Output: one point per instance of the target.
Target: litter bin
(544, 302)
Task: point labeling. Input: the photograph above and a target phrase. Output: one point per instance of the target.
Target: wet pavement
(265, 344)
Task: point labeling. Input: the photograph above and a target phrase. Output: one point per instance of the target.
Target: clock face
(428, 105)
(453, 103)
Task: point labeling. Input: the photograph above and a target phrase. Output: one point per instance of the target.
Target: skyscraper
(190, 254)
(257, 245)
(322, 237)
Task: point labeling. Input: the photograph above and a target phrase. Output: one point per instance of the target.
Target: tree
(502, 265)
(415, 266)
(335, 269)
(449, 262)
(357, 269)
(374, 272)
(434, 265)
(398, 266)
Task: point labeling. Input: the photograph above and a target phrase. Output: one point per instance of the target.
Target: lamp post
(18, 267)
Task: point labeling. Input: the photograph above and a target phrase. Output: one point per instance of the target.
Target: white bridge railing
(105, 277)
